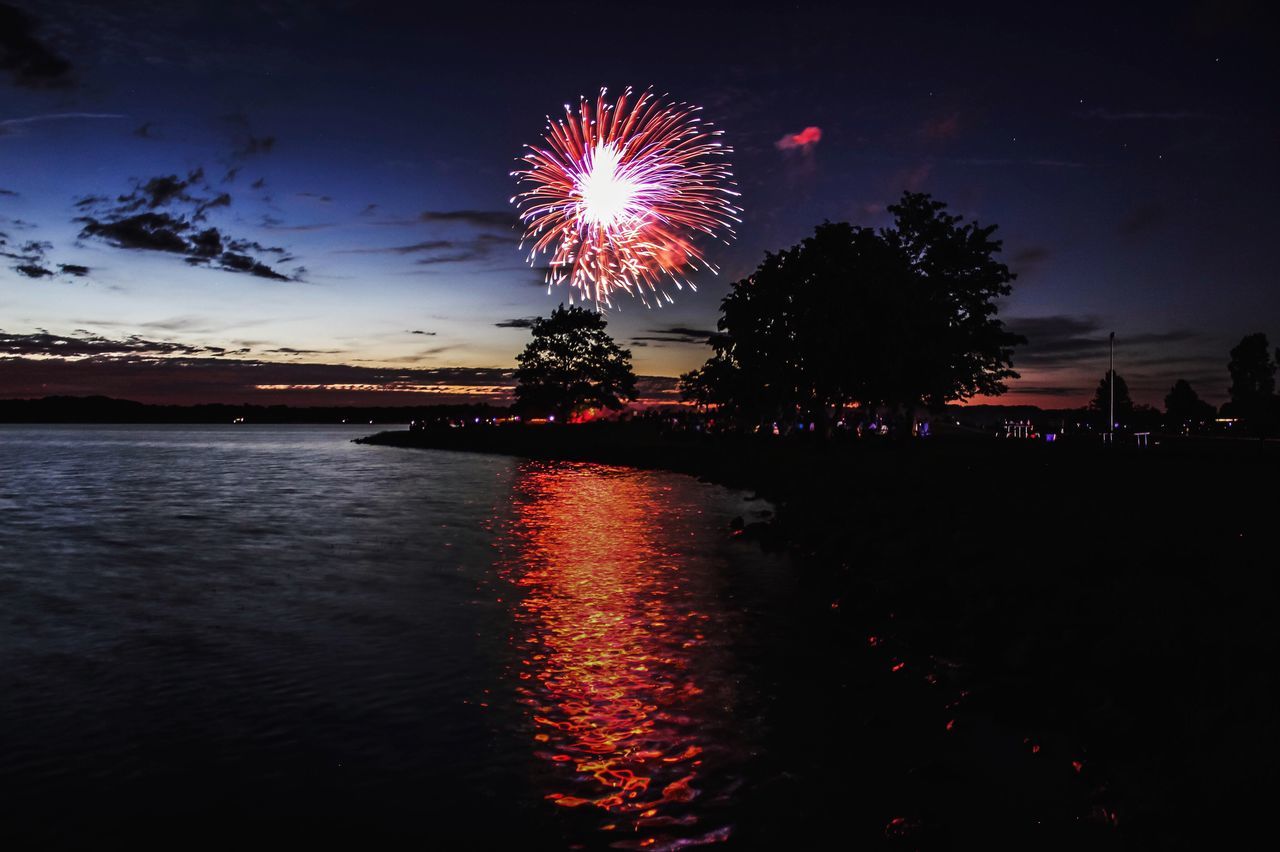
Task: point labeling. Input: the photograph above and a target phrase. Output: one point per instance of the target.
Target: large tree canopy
(901, 317)
(1253, 384)
(1253, 373)
(572, 364)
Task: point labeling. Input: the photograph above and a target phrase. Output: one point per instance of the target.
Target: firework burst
(619, 192)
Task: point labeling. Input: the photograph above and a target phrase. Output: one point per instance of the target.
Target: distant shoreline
(108, 411)
(765, 464)
(614, 444)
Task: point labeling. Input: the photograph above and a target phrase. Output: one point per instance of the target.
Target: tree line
(895, 319)
(1253, 402)
(892, 322)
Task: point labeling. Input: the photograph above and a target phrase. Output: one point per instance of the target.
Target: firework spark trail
(620, 191)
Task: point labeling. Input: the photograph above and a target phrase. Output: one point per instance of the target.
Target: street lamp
(1111, 383)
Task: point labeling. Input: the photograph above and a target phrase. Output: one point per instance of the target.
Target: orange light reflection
(609, 642)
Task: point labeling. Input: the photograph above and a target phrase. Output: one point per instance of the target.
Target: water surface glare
(222, 633)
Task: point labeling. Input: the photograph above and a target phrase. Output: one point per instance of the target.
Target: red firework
(618, 194)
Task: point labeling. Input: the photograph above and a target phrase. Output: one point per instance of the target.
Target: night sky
(354, 160)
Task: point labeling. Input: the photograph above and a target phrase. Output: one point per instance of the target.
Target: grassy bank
(1100, 620)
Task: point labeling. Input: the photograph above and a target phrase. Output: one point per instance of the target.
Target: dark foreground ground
(1081, 639)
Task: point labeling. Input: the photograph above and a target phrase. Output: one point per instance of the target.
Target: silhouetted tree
(966, 349)
(897, 318)
(800, 336)
(1101, 402)
(1145, 418)
(1184, 409)
(1253, 384)
(1252, 370)
(717, 381)
(572, 364)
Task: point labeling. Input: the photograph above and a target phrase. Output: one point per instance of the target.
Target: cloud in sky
(246, 142)
(31, 250)
(289, 350)
(160, 371)
(31, 257)
(1061, 340)
(941, 128)
(275, 223)
(1030, 255)
(17, 125)
(29, 61)
(192, 380)
(245, 145)
(437, 251)
(914, 178)
(150, 231)
(165, 214)
(233, 262)
(476, 243)
(1069, 354)
(481, 247)
(254, 145)
(475, 218)
(674, 334)
(1024, 389)
(805, 140)
(88, 345)
(411, 248)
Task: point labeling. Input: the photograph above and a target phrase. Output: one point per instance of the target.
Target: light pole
(1111, 383)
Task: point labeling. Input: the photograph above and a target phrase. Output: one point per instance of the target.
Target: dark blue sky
(354, 160)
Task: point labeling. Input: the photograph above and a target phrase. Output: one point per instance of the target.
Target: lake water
(225, 634)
